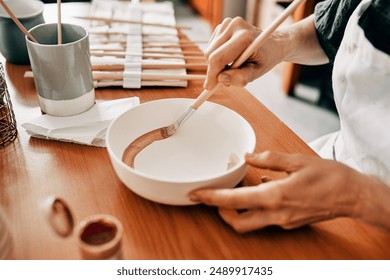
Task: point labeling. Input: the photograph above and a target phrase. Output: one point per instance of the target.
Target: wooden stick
(198, 53)
(119, 83)
(172, 45)
(145, 40)
(103, 75)
(119, 67)
(17, 22)
(146, 51)
(147, 44)
(257, 43)
(151, 55)
(113, 20)
(108, 31)
(59, 27)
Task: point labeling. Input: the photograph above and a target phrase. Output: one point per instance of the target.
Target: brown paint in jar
(98, 233)
(99, 237)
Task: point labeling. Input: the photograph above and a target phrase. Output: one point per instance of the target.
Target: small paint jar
(99, 238)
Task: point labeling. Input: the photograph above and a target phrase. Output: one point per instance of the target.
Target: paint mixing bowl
(207, 151)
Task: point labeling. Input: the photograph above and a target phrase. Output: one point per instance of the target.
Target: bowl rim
(169, 179)
(37, 8)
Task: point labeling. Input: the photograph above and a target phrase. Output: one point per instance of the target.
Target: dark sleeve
(330, 19)
(375, 21)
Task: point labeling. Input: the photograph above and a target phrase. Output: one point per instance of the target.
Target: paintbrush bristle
(167, 131)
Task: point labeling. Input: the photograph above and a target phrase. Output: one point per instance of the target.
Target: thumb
(276, 161)
(236, 77)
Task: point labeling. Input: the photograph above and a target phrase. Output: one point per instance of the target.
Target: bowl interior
(201, 149)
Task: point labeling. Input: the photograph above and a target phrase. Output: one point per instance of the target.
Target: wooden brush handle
(59, 24)
(206, 94)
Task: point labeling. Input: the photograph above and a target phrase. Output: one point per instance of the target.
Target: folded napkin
(88, 128)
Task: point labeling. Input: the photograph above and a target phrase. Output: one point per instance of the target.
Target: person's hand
(228, 41)
(314, 190)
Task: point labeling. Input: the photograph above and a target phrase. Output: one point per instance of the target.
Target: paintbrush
(59, 27)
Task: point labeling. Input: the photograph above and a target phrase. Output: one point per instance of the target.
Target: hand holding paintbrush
(256, 44)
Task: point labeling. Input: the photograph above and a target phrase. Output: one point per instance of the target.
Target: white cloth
(88, 128)
(361, 84)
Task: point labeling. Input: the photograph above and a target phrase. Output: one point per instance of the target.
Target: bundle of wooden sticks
(139, 44)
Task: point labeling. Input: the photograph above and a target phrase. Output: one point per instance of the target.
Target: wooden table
(32, 170)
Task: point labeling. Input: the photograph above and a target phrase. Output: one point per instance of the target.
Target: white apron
(361, 84)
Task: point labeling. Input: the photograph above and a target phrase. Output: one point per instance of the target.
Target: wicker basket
(8, 131)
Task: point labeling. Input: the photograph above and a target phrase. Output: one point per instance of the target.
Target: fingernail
(225, 79)
(265, 179)
(249, 156)
(193, 197)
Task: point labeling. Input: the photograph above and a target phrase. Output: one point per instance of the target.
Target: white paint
(61, 108)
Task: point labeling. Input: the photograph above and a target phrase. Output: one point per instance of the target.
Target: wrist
(301, 45)
(289, 40)
(372, 205)
(281, 41)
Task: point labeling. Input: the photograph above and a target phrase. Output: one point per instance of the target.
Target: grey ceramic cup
(62, 72)
(12, 42)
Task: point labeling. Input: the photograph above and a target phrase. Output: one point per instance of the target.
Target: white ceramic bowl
(195, 157)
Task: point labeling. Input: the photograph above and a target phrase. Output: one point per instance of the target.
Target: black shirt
(331, 18)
